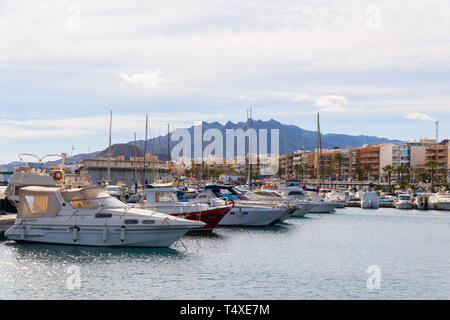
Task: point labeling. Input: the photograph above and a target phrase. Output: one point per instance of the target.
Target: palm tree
(432, 165)
(299, 170)
(339, 158)
(359, 172)
(367, 169)
(388, 169)
(402, 171)
(443, 172)
(281, 172)
(399, 171)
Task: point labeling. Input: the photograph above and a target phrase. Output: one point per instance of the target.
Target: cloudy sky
(370, 67)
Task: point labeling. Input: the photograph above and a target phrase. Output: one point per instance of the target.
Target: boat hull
(112, 236)
(444, 206)
(303, 209)
(405, 206)
(251, 217)
(369, 204)
(211, 217)
(323, 207)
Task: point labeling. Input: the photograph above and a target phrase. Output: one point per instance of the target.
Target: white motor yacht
(370, 200)
(440, 201)
(422, 202)
(320, 205)
(248, 215)
(271, 196)
(404, 201)
(91, 217)
(336, 196)
(165, 200)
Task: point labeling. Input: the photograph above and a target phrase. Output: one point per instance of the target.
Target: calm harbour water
(319, 257)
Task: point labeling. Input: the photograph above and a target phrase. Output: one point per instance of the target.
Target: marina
(250, 151)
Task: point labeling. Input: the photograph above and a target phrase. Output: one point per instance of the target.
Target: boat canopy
(22, 179)
(38, 202)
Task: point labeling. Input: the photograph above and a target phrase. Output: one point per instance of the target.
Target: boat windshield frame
(87, 201)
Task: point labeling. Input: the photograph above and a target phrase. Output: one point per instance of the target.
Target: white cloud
(149, 79)
(87, 126)
(332, 103)
(419, 116)
(246, 98)
(302, 97)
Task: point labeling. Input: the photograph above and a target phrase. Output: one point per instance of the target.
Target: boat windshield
(296, 194)
(405, 198)
(91, 198)
(165, 196)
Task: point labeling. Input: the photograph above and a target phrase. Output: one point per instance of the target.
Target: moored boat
(422, 202)
(440, 201)
(90, 217)
(404, 201)
(165, 200)
(369, 200)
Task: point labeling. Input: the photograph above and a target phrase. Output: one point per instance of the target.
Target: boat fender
(23, 233)
(122, 234)
(105, 234)
(239, 214)
(75, 231)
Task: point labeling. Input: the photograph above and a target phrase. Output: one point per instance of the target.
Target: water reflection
(280, 227)
(72, 254)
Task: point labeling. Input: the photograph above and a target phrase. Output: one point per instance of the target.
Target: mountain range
(292, 138)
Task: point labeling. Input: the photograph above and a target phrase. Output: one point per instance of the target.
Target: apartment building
(369, 161)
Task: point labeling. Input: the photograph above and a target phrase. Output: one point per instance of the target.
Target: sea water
(352, 254)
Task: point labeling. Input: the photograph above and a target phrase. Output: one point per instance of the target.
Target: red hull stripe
(211, 217)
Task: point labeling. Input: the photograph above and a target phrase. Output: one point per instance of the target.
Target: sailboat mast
(145, 149)
(135, 158)
(168, 149)
(109, 149)
(168, 143)
(318, 152)
(201, 159)
(322, 174)
(304, 155)
(285, 154)
(250, 126)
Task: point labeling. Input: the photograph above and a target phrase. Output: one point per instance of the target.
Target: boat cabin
(405, 197)
(46, 202)
(161, 195)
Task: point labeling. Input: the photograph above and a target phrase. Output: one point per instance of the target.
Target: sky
(369, 67)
